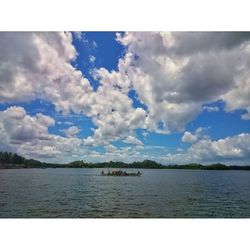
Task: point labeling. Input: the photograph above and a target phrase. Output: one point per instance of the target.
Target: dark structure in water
(120, 173)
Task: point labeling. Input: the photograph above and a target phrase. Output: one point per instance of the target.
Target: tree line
(10, 158)
(13, 160)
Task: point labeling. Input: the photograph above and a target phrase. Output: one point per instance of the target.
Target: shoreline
(9, 160)
(238, 168)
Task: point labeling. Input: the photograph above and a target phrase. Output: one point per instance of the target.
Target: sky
(171, 97)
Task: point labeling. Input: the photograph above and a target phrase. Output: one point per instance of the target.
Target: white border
(116, 15)
(124, 234)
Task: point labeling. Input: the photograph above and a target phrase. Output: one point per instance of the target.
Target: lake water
(83, 193)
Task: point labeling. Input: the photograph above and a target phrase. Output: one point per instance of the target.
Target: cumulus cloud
(195, 42)
(230, 150)
(132, 140)
(175, 73)
(238, 97)
(199, 134)
(18, 127)
(110, 148)
(37, 65)
(29, 136)
(125, 154)
(175, 76)
(113, 113)
(72, 131)
(189, 138)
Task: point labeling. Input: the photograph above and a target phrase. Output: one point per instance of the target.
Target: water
(83, 193)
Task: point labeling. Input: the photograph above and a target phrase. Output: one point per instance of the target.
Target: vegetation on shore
(11, 161)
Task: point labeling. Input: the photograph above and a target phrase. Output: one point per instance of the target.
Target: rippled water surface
(75, 193)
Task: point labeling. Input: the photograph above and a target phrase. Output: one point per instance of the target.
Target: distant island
(10, 160)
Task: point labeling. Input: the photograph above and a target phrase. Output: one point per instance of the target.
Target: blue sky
(169, 97)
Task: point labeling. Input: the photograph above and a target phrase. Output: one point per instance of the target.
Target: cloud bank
(174, 75)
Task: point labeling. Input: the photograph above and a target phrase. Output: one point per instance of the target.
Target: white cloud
(238, 97)
(174, 74)
(230, 150)
(94, 44)
(110, 148)
(145, 134)
(199, 134)
(37, 65)
(72, 131)
(78, 35)
(125, 154)
(211, 108)
(189, 138)
(199, 131)
(113, 114)
(92, 59)
(132, 140)
(68, 123)
(29, 136)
